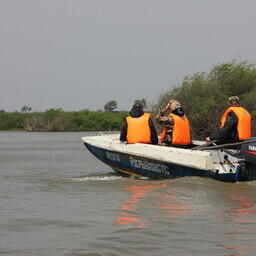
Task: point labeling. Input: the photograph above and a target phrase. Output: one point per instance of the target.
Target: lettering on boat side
(112, 156)
(149, 166)
(252, 148)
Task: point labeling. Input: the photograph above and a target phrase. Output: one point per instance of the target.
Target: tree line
(59, 120)
(202, 95)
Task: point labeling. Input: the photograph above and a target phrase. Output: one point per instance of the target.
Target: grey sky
(77, 54)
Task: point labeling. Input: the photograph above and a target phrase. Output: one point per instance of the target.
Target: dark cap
(137, 105)
(137, 110)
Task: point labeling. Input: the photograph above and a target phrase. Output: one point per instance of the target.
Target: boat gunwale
(136, 151)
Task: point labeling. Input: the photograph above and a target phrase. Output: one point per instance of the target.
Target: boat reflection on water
(242, 213)
(128, 209)
(172, 206)
(232, 233)
(241, 217)
(165, 201)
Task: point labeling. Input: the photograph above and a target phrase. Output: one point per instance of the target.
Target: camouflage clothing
(167, 121)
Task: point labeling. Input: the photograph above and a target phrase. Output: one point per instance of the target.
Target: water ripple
(95, 178)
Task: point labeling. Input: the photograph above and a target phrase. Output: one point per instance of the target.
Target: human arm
(167, 122)
(228, 131)
(162, 113)
(123, 133)
(163, 117)
(153, 136)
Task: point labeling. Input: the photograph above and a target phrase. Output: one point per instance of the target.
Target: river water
(58, 199)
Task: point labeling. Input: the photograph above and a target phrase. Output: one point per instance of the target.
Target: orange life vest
(138, 130)
(181, 130)
(244, 121)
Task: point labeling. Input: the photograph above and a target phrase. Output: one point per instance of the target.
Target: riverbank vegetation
(58, 120)
(202, 95)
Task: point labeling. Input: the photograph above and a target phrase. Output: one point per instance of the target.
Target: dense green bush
(58, 120)
(204, 96)
(10, 121)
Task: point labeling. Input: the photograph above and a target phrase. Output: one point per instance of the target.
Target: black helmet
(138, 106)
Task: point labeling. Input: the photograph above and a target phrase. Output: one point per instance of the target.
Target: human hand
(208, 139)
(167, 107)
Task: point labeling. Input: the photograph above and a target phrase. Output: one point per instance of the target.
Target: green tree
(110, 106)
(204, 96)
(25, 109)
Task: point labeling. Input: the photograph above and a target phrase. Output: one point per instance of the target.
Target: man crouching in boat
(176, 131)
(235, 124)
(138, 127)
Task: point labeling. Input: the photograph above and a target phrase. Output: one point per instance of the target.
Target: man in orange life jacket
(176, 131)
(138, 127)
(235, 124)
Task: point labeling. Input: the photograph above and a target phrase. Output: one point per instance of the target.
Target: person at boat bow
(138, 127)
(176, 131)
(235, 124)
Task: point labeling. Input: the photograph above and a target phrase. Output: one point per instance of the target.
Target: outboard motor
(248, 153)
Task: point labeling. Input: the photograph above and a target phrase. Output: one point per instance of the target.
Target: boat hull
(140, 166)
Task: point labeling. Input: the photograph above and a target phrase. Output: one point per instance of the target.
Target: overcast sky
(77, 54)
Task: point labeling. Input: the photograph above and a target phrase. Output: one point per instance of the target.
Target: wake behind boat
(154, 161)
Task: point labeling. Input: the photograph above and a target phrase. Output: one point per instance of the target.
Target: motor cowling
(248, 151)
(248, 165)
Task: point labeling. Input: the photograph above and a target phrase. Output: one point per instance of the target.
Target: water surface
(58, 199)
